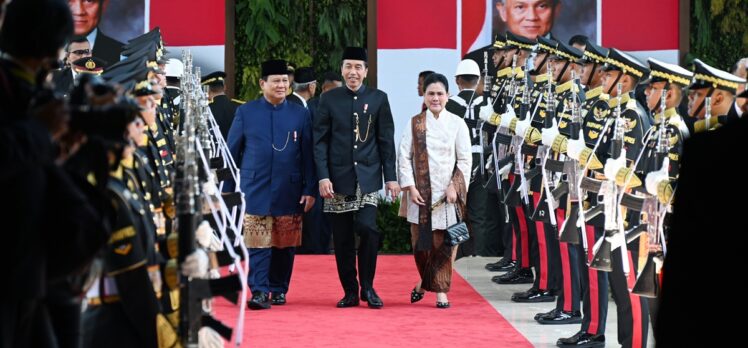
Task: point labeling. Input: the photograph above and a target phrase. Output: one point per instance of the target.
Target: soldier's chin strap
(592, 74)
(703, 101)
(542, 64)
(659, 101)
(563, 70)
(615, 83)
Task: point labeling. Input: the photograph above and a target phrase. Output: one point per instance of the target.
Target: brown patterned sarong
(434, 265)
(272, 231)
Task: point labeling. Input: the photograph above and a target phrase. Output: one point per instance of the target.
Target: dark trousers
(544, 252)
(484, 215)
(632, 310)
(570, 297)
(594, 285)
(270, 269)
(316, 231)
(344, 228)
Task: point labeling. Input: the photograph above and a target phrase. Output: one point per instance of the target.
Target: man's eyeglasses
(81, 52)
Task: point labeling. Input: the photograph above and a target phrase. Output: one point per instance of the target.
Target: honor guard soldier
(503, 74)
(543, 248)
(354, 148)
(568, 91)
(594, 111)
(633, 310)
(720, 87)
(123, 300)
(221, 106)
(271, 141)
(517, 51)
(304, 86)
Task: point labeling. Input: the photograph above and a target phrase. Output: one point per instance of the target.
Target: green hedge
(718, 32)
(394, 229)
(303, 32)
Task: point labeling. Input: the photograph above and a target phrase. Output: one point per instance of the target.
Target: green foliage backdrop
(718, 31)
(304, 32)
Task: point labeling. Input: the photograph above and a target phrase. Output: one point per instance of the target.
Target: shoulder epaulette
(238, 101)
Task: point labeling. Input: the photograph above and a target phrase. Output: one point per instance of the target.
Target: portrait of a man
(556, 19)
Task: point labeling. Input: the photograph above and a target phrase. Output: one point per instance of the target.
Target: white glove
(214, 274)
(195, 265)
(522, 127)
(489, 162)
(613, 165)
(505, 169)
(550, 134)
(209, 187)
(215, 243)
(204, 234)
(485, 112)
(508, 116)
(209, 338)
(653, 179)
(574, 148)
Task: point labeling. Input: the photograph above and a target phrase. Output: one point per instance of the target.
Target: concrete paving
(520, 315)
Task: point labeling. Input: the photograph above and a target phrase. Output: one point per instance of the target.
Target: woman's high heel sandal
(442, 304)
(416, 296)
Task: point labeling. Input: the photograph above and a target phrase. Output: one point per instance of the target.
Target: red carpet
(310, 319)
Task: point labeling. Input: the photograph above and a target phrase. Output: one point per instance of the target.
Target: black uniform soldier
(721, 86)
(632, 310)
(354, 147)
(544, 249)
(567, 91)
(221, 106)
(519, 47)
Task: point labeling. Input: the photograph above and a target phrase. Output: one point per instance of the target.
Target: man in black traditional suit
(86, 18)
(354, 147)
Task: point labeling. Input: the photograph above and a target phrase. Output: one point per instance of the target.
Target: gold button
(355, 146)
(355, 163)
(355, 97)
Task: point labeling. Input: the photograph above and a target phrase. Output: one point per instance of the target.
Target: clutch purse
(457, 233)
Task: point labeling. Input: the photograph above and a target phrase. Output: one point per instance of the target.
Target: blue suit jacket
(272, 146)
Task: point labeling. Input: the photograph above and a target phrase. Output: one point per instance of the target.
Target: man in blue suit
(271, 140)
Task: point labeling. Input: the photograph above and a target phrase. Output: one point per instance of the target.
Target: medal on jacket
(357, 130)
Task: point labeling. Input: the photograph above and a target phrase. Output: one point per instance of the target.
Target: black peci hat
(274, 67)
(304, 75)
(355, 53)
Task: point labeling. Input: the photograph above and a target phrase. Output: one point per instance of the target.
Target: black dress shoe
(260, 300)
(523, 276)
(502, 266)
(372, 299)
(582, 339)
(560, 318)
(546, 314)
(442, 305)
(349, 300)
(278, 298)
(534, 295)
